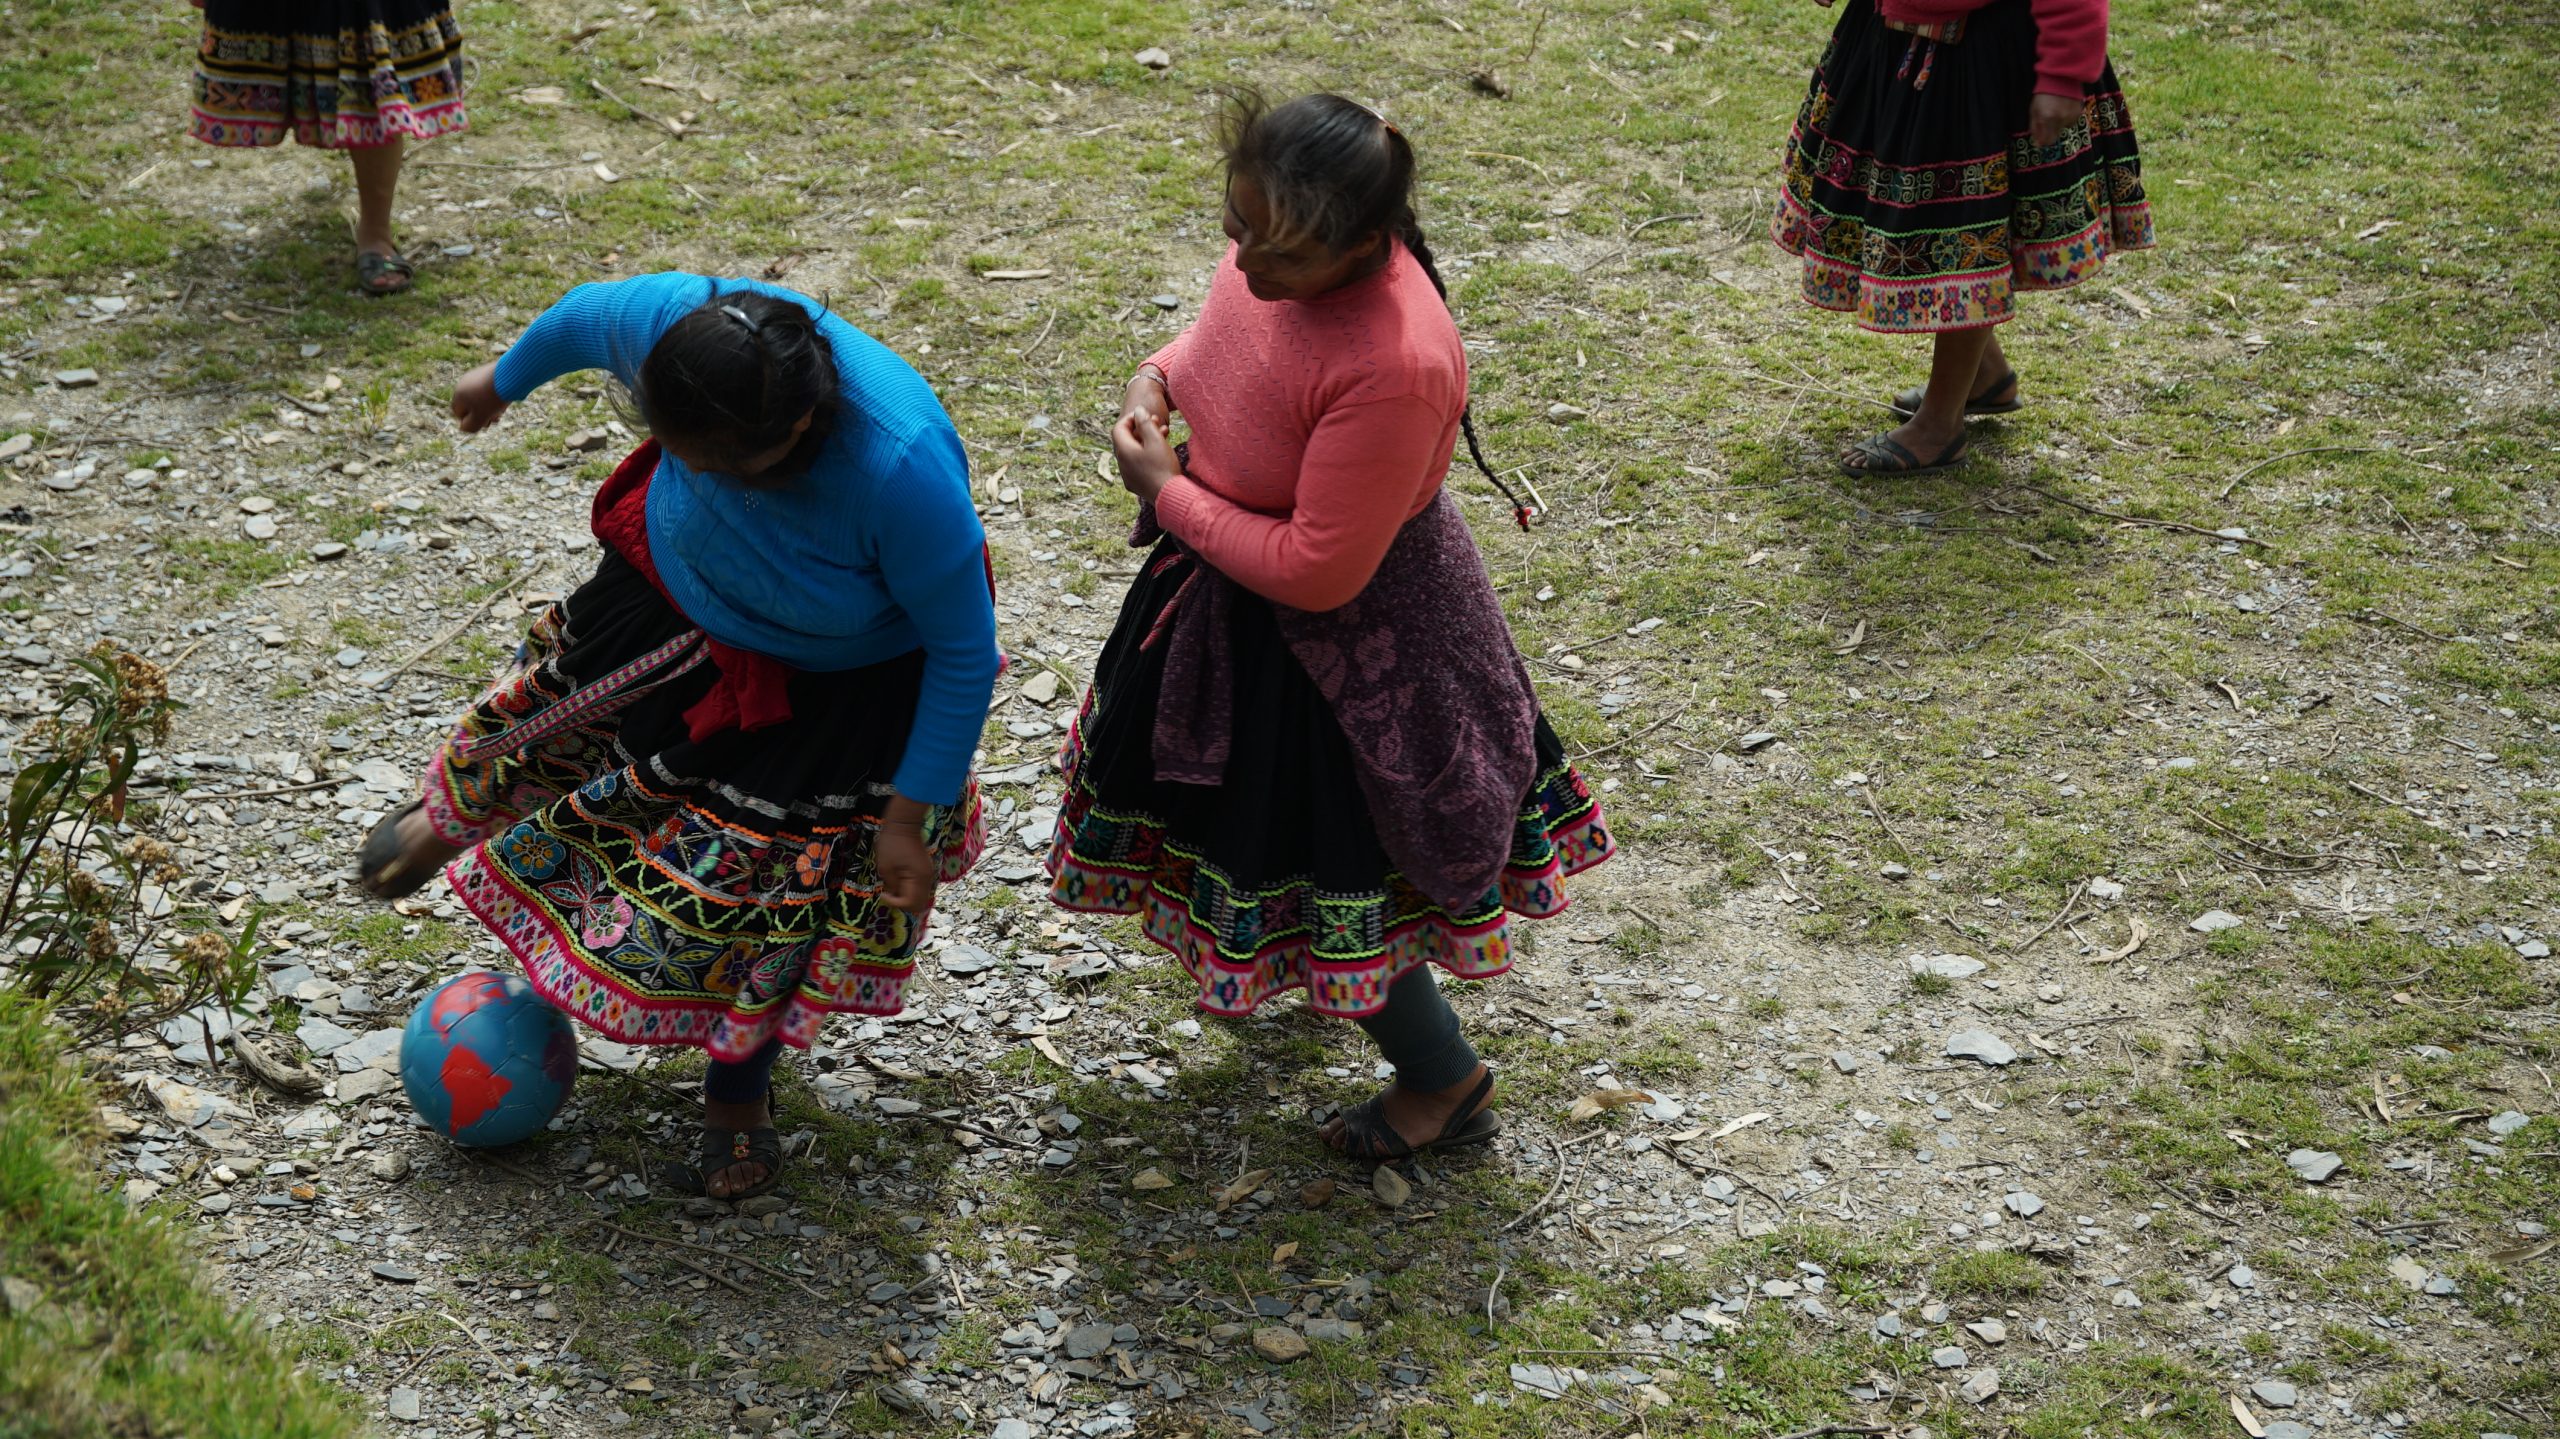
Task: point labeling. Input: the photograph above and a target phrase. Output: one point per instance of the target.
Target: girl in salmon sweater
(1310, 758)
(1950, 154)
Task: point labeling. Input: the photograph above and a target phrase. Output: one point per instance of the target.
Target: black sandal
(1367, 1135)
(1891, 459)
(378, 871)
(383, 274)
(1907, 403)
(726, 1149)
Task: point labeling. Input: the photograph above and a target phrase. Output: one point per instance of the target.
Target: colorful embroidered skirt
(1274, 880)
(339, 74)
(1914, 195)
(666, 891)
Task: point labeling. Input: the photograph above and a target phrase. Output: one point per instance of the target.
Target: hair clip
(742, 317)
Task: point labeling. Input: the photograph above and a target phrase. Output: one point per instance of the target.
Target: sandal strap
(1468, 1109)
(1369, 1134)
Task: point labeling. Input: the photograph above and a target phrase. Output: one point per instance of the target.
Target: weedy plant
(88, 914)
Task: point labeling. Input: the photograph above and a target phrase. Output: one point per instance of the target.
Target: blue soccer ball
(486, 1061)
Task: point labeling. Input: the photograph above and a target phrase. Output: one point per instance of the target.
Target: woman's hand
(476, 405)
(1148, 395)
(2050, 117)
(908, 872)
(1145, 452)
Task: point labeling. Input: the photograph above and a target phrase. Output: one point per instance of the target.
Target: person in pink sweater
(1311, 757)
(1949, 154)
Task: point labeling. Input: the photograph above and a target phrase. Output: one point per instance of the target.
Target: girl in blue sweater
(710, 800)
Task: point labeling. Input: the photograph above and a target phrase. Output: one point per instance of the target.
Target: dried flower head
(101, 941)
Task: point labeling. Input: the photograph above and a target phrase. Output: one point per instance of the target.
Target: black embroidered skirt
(666, 890)
(1275, 880)
(1914, 195)
(336, 74)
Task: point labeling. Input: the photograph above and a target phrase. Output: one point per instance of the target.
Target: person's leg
(1436, 1069)
(1955, 363)
(739, 1096)
(377, 183)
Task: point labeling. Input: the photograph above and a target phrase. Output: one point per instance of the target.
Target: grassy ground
(121, 1338)
(2343, 348)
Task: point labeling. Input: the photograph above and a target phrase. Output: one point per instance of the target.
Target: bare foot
(746, 1174)
(1417, 1116)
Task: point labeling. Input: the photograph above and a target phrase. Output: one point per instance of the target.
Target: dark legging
(744, 1082)
(1418, 1033)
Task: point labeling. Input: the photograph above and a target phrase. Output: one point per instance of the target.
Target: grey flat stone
(1947, 1356)
(2023, 1205)
(389, 1272)
(323, 1038)
(403, 1404)
(1010, 1429)
(1950, 966)
(1087, 1341)
(966, 959)
(1980, 1044)
(2507, 1123)
(2214, 921)
(2313, 1166)
(2276, 1393)
(367, 1050)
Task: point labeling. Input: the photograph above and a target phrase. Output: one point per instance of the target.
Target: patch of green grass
(226, 567)
(388, 938)
(1992, 1274)
(126, 1340)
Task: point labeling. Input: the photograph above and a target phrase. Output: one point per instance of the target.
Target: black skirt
(336, 74)
(1914, 194)
(667, 890)
(1274, 879)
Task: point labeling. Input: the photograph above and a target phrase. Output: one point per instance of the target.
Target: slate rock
(1980, 1044)
(2214, 921)
(403, 1405)
(2276, 1393)
(1086, 1341)
(1947, 1356)
(75, 379)
(1980, 1385)
(2504, 1125)
(966, 959)
(2292, 1429)
(2023, 1205)
(1280, 1346)
(1010, 1429)
(1949, 966)
(2313, 1166)
(390, 1273)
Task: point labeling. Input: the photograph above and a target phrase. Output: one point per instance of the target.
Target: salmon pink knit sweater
(1318, 428)
(2071, 36)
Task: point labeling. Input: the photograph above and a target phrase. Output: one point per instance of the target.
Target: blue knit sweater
(875, 552)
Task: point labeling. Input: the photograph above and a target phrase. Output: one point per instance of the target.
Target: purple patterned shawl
(1423, 677)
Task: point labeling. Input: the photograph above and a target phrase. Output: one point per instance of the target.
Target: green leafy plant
(88, 911)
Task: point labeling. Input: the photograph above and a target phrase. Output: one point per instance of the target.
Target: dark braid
(1409, 230)
(1338, 172)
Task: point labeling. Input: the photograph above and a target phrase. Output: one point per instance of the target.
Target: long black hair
(735, 375)
(1336, 172)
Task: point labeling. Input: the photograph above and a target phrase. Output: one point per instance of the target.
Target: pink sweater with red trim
(2071, 36)
(1318, 428)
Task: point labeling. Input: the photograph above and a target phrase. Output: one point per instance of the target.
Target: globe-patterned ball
(486, 1061)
